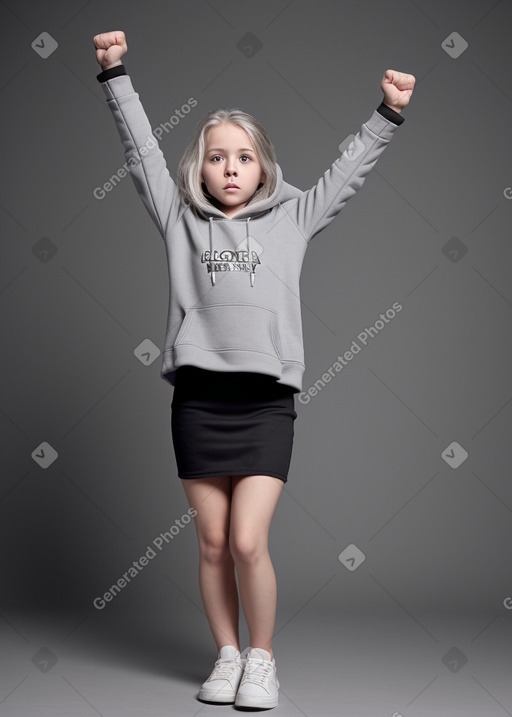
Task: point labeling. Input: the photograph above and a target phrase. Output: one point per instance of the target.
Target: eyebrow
(221, 149)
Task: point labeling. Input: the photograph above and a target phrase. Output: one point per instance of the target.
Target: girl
(235, 235)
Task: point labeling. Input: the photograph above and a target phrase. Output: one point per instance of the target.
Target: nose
(230, 169)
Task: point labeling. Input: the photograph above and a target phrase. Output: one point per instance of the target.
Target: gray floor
(132, 663)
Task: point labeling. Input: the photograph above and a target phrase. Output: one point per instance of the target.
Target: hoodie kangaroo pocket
(228, 327)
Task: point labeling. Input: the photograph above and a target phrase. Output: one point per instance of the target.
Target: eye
(242, 155)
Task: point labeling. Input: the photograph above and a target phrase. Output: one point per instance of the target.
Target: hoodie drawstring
(212, 273)
(251, 276)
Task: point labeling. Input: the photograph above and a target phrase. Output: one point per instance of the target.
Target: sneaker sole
(246, 701)
(217, 697)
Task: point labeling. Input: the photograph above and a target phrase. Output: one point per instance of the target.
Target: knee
(246, 547)
(214, 548)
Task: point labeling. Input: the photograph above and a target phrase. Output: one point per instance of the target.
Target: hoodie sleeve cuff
(390, 114)
(111, 72)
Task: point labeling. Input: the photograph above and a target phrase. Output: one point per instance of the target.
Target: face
(230, 158)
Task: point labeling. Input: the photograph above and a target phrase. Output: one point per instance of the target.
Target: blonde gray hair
(192, 190)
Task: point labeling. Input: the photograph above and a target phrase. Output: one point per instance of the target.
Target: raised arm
(144, 159)
(318, 206)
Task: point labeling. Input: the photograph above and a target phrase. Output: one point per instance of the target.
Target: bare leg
(211, 497)
(253, 503)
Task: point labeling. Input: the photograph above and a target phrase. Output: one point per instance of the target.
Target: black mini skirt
(231, 423)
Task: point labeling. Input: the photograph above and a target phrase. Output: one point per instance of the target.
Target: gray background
(84, 281)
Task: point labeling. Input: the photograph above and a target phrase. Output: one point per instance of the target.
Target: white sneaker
(222, 684)
(259, 686)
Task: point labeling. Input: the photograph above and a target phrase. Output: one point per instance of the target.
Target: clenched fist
(397, 88)
(110, 47)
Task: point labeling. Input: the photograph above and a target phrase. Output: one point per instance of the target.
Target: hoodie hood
(282, 193)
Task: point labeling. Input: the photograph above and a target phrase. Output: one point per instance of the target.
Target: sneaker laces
(257, 671)
(224, 668)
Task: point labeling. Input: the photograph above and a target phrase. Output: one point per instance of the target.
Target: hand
(110, 46)
(397, 88)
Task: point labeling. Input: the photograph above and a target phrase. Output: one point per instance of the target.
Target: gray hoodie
(234, 300)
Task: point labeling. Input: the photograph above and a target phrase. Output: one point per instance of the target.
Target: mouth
(231, 187)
